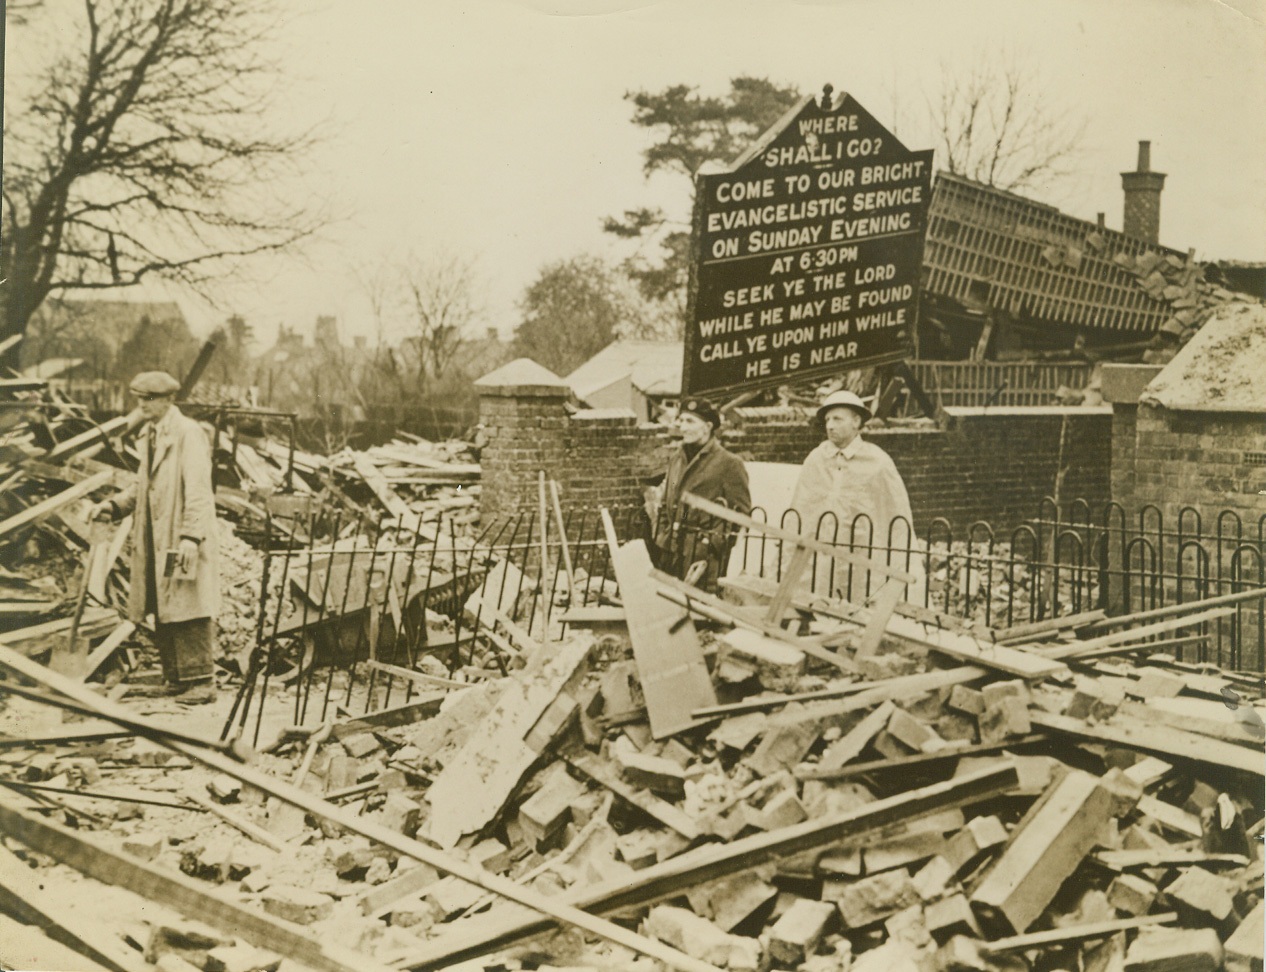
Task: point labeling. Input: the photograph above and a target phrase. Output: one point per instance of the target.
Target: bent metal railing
(337, 621)
(1063, 561)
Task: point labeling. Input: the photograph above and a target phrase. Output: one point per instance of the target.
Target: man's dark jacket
(683, 534)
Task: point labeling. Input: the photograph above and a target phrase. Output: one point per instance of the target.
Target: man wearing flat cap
(174, 557)
(699, 464)
(849, 488)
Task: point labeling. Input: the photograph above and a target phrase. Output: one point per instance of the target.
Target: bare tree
(442, 297)
(143, 146)
(996, 125)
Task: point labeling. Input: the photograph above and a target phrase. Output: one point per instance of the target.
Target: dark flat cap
(704, 409)
(154, 383)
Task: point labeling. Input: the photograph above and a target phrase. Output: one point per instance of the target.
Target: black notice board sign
(806, 252)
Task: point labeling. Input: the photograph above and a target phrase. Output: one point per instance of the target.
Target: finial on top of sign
(826, 96)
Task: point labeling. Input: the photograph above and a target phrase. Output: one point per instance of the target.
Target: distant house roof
(522, 372)
(654, 367)
(985, 245)
(1219, 369)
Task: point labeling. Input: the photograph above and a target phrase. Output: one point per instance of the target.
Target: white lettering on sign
(782, 213)
(738, 191)
(763, 242)
(748, 295)
(851, 229)
(828, 125)
(833, 352)
(887, 198)
(893, 172)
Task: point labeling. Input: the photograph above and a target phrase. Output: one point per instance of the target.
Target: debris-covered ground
(658, 778)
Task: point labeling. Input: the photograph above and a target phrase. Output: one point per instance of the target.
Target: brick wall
(597, 456)
(993, 465)
(1206, 460)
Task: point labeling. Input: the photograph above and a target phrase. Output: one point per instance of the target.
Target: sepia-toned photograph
(619, 486)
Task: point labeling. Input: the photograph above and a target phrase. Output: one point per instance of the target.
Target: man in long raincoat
(850, 488)
(175, 572)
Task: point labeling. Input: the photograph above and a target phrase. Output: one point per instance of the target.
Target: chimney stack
(1142, 198)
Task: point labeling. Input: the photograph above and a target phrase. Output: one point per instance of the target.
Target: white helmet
(848, 400)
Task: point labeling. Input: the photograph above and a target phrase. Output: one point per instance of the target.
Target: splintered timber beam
(1253, 594)
(1076, 648)
(714, 607)
(1044, 849)
(77, 850)
(1150, 738)
(715, 861)
(21, 894)
(1073, 933)
(553, 907)
(669, 657)
(54, 503)
(838, 554)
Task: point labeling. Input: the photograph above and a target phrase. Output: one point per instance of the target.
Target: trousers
(186, 649)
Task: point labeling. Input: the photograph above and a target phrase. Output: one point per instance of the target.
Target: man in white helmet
(850, 488)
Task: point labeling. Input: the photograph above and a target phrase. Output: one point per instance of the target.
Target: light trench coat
(181, 504)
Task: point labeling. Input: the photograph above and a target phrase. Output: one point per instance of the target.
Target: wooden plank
(786, 587)
(418, 678)
(1162, 740)
(476, 783)
(1048, 626)
(379, 486)
(1073, 933)
(404, 714)
(1224, 728)
(1075, 648)
(22, 894)
(102, 433)
(718, 609)
(861, 695)
(36, 638)
(556, 909)
(101, 654)
(883, 604)
(1240, 597)
(79, 732)
(1124, 860)
(915, 759)
(83, 853)
(669, 657)
(1044, 849)
(836, 553)
(28, 947)
(240, 823)
(711, 862)
(602, 773)
(1175, 818)
(54, 503)
(965, 648)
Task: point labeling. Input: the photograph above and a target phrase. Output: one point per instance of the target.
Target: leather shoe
(200, 693)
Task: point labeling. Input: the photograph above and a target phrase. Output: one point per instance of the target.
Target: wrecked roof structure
(1219, 369)
(987, 248)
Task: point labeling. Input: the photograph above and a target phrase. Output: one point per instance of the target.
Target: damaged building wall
(994, 465)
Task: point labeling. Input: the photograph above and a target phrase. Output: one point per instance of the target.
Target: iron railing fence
(336, 621)
(1065, 560)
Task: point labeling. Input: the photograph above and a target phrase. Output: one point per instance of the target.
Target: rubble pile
(63, 578)
(751, 782)
(660, 777)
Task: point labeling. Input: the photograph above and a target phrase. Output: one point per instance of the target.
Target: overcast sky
(498, 130)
